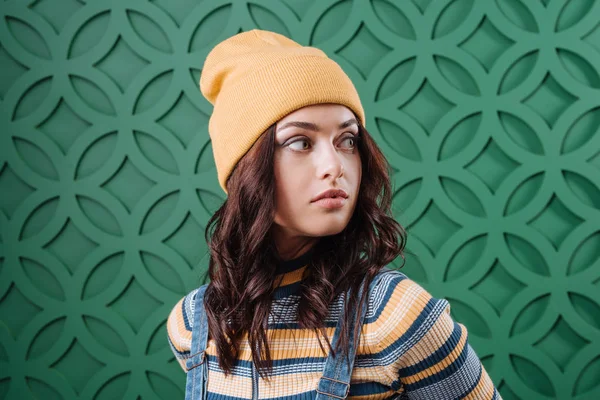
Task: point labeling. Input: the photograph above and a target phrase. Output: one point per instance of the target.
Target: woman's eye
(349, 142)
(299, 145)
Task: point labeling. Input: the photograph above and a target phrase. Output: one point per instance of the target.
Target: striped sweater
(409, 345)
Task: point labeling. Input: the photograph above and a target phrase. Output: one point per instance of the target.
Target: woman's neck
(291, 246)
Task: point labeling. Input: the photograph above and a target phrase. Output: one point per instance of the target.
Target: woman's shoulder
(396, 299)
(180, 323)
(388, 281)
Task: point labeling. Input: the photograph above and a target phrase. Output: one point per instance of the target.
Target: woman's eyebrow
(314, 127)
(346, 124)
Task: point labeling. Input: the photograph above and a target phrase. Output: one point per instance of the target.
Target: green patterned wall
(489, 112)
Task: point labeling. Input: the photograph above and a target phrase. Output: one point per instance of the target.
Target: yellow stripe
(229, 385)
(290, 277)
(180, 337)
(435, 338)
(484, 388)
(378, 396)
(400, 313)
(288, 385)
(441, 365)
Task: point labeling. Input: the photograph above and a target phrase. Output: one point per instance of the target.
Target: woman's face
(315, 152)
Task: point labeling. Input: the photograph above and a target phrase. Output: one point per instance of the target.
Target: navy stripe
(284, 267)
(389, 290)
(287, 290)
(296, 326)
(437, 356)
(225, 397)
(180, 355)
(473, 386)
(443, 374)
(186, 319)
(287, 366)
(496, 395)
(298, 360)
(310, 395)
(368, 388)
(243, 364)
(425, 315)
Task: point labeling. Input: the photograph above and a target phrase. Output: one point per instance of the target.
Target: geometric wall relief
(488, 111)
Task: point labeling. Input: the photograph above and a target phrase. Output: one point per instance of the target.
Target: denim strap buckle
(197, 360)
(335, 385)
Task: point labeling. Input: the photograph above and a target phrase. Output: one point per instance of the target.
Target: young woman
(300, 304)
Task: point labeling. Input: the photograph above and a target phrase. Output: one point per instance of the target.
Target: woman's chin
(327, 230)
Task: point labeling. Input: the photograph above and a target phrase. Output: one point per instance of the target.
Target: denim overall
(333, 385)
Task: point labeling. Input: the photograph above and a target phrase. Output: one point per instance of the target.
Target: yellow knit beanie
(254, 79)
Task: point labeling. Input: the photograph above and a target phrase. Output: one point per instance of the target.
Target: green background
(489, 112)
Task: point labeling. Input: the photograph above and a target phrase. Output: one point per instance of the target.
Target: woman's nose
(329, 162)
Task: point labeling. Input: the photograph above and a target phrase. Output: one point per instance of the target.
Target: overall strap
(335, 382)
(196, 364)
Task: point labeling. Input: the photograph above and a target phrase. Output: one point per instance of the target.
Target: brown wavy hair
(243, 258)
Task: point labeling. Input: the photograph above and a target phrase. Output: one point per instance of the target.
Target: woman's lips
(331, 202)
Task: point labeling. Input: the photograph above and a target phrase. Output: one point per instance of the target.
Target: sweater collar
(290, 274)
(284, 267)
